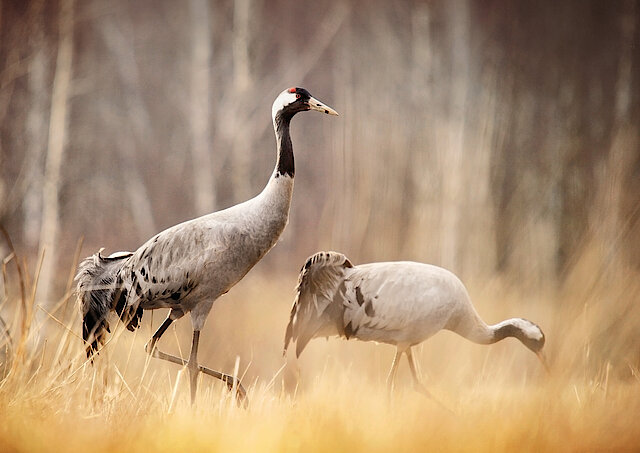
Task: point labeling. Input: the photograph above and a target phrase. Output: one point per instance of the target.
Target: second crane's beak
(315, 104)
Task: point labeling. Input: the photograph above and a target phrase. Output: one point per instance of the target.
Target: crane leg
(192, 366)
(151, 344)
(394, 369)
(192, 363)
(417, 384)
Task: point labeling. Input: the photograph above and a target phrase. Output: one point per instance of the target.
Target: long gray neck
(284, 163)
(480, 332)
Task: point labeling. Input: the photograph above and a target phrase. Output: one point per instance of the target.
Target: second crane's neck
(284, 164)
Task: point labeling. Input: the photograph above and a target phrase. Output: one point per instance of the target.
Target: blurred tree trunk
(139, 135)
(36, 128)
(241, 42)
(477, 231)
(453, 176)
(55, 149)
(422, 239)
(630, 240)
(343, 219)
(203, 183)
(14, 66)
(244, 132)
(615, 174)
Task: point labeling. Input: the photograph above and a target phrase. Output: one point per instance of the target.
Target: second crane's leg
(394, 369)
(193, 367)
(417, 384)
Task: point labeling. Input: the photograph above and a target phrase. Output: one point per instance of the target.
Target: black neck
(284, 164)
(510, 330)
(506, 331)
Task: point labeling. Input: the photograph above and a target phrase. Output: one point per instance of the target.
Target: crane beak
(315, 104)
(543, 360)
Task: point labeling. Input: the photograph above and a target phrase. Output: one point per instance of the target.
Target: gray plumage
(187, 267)
(400, 303)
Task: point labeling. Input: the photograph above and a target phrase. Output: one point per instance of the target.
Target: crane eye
(298, 96)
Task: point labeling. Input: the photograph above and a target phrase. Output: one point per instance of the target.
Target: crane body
(188, 266)
(401, 303)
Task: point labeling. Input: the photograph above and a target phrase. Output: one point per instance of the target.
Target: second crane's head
(294, 100)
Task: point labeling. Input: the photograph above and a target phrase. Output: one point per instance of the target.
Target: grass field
(334, 397)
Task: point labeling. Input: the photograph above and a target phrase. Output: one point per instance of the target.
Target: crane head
(294, 100)
(529, 333)
(533, 338)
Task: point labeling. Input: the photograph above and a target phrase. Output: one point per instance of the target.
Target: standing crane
(400, 303)
(187, 267)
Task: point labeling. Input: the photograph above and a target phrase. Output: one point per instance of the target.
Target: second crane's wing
(315, 302)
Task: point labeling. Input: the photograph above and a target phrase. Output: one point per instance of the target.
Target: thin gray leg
(417, 384)
(192, 364)
(151, 344)
(394, 369)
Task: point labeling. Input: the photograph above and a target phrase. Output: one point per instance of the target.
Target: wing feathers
(319, 282)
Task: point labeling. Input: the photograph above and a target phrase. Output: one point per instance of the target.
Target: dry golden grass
(334, 398)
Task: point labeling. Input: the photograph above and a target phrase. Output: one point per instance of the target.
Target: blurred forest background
(499, 139)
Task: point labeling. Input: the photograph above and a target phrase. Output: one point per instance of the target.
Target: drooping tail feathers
(319, 279)
(99, 290)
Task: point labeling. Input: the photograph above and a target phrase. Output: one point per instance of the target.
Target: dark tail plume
(98, 289)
